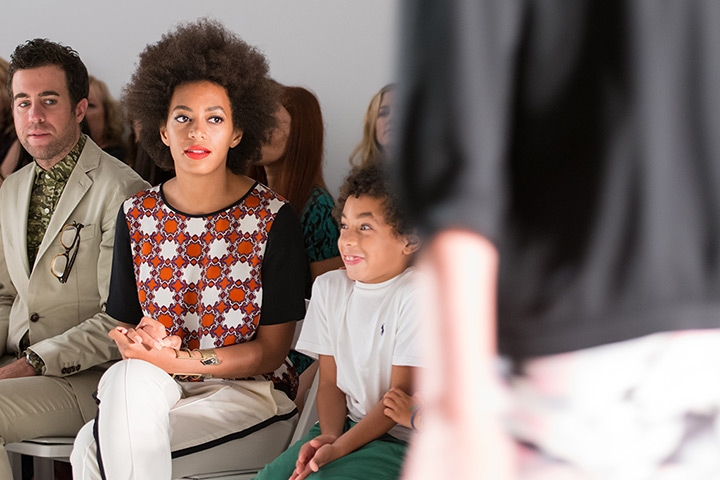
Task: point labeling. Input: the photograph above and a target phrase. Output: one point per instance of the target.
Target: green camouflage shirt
(46, 191)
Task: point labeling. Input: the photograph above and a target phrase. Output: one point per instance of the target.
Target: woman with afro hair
(208, 269)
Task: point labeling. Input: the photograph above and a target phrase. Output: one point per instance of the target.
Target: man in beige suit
(57, 224)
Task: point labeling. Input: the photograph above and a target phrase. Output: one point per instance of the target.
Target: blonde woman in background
(377, 129)
(105, 119)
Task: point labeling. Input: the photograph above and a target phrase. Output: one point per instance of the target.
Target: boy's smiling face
(369, 247)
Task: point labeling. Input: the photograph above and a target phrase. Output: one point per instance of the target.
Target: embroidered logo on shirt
(382, 329)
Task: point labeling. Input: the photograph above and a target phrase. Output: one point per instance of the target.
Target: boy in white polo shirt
(362, 325)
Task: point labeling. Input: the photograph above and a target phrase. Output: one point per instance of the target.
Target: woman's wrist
(204, 356)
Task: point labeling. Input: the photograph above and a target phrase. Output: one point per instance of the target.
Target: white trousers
(144, 415)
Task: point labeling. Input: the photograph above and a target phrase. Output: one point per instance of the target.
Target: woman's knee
(138, 382)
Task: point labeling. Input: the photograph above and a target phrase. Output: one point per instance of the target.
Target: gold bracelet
(184, 350)
(189, 377)
(207, 356)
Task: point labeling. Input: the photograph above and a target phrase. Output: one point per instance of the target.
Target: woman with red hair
(291, 165)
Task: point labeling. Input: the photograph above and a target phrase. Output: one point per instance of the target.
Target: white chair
(308, 417)
(44, 451)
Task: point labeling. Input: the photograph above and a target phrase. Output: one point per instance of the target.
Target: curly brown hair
(203, 51)
(372, 180)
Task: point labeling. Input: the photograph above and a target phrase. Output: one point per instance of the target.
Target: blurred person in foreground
(563, 156)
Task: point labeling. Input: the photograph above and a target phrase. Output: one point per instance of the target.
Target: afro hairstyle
(203, 51)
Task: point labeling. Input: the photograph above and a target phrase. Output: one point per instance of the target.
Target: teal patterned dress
(320, 230)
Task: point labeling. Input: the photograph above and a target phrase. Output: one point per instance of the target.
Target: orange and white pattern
(201, 276)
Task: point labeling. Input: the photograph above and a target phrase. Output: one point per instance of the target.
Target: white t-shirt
(367, 328)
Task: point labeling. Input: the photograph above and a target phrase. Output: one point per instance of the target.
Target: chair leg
(15, 465)
(44, 468)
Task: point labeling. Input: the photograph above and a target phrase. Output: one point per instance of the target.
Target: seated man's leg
(34, 407)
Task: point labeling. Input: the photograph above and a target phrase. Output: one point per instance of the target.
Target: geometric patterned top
(211, 279)
(200, 276)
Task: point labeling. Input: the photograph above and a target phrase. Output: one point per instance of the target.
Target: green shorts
(381, 459)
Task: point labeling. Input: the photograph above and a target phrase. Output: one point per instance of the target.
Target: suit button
(64, 371)
(34, 317)
(77, 368)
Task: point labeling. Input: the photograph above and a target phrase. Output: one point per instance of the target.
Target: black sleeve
(284, 269)
(123, 303)
(453, 103)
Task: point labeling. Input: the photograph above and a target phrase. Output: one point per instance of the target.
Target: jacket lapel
(17, 221)
(77, 186)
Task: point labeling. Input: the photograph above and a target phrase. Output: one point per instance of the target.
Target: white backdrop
(343, 50)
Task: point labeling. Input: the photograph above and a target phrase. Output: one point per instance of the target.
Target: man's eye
(23, 104)
(49, 101)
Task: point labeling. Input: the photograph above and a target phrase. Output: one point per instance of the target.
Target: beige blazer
(67, 327)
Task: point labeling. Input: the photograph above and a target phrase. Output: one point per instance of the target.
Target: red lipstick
(197, 152)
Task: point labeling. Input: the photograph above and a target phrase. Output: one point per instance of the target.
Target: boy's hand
(314, 454)
(399, 406)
